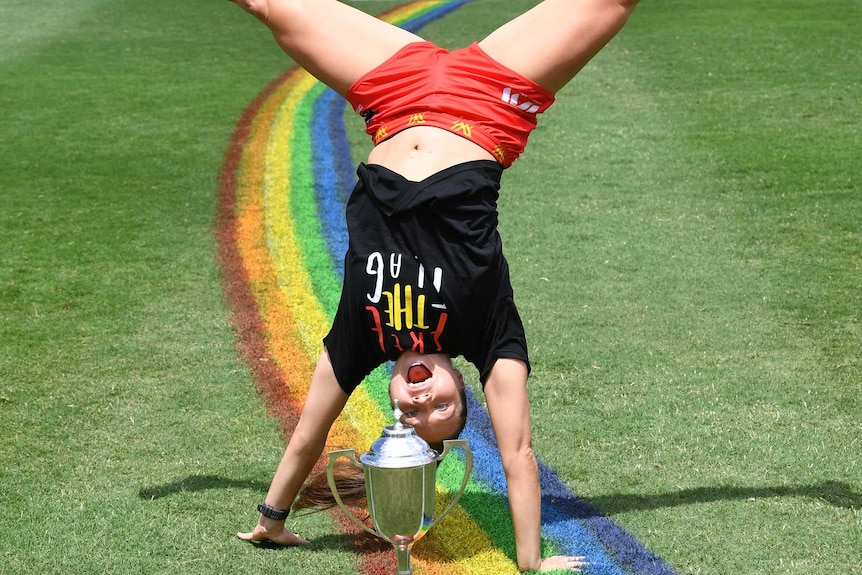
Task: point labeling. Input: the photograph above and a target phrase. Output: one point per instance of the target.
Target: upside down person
(422, 225)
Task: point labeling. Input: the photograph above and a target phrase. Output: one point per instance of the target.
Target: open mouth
(418, 373)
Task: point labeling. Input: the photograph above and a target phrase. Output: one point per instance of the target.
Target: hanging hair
(350, 480)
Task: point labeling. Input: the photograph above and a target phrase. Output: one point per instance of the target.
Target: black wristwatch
(272, 512)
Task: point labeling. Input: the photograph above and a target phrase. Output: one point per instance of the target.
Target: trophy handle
(351, 455)
(468, 467)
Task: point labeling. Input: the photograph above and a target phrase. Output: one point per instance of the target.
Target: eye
(442, 407)
(411, 413)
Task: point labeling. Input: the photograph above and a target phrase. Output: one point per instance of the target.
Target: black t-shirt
(424, 270)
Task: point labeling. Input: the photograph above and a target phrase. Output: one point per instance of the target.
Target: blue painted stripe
(425, 19)
(330, 143)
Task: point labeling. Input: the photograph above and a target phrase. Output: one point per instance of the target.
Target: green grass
(684, 235)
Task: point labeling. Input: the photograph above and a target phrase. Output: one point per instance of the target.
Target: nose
(421, 398)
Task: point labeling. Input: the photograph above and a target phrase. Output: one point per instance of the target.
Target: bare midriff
(422, 151)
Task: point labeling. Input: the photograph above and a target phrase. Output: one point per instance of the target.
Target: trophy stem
(402, 555)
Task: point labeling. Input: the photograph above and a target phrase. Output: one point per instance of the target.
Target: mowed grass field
(685, 237)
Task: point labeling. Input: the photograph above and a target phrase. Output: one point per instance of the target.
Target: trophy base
(402, 555)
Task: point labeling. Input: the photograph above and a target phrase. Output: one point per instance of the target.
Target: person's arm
(509, 408)
(324, 403)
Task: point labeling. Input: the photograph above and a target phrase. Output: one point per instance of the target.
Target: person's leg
(335, 42)
(551, 42)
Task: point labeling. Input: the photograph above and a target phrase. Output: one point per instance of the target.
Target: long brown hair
(350, 480)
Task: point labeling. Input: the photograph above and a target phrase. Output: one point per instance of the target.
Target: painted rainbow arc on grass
(281, 234)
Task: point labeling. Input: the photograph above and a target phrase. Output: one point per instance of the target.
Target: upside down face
(429, 393)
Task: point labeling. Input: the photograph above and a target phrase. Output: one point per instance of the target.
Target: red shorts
(464, 91)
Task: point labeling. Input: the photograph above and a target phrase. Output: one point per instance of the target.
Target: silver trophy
(400, 475)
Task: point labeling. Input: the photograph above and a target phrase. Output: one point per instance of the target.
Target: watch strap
(273, 513)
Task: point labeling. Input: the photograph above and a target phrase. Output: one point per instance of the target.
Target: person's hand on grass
(268, 530)
(562, 563)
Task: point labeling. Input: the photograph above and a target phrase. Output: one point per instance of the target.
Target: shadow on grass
(835, 493)
(197, 483)
(339, 542)
(200, 483)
